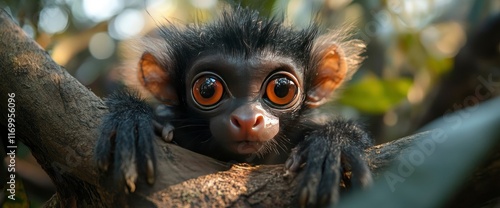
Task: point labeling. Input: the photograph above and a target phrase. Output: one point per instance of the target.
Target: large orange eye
(208, 90)
(281, 90)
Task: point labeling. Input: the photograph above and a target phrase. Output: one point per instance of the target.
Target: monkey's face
(246, 77)
(244, 99)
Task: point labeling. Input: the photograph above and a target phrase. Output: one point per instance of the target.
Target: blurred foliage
(412, 45)
(373, 95)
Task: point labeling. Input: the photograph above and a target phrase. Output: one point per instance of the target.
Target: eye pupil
(282, 87)
(207, 91)
(281, 90)
(207, 88)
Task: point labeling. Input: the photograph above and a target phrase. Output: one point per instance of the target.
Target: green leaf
(375, 96)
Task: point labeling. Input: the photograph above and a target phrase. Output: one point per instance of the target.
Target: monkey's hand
(125, 145)
(328, 152)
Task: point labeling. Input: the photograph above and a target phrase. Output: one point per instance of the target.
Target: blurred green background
(424, 58)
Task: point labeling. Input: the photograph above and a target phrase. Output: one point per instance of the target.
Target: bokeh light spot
(127, 24)
(101, 46)
(100, 10)
(53, 20)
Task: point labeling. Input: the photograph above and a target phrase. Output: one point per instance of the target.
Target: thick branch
(56, 116)
(241, 185)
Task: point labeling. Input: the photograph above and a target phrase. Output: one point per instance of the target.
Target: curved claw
(104, 148)
(167, 133)
(125, 146)
(125, 168)
(312, 172)
(361, 174)
(325, 159)
(150, 172)
(328, 188)
(294, 162)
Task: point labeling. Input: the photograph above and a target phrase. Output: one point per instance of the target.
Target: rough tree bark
(57, 118)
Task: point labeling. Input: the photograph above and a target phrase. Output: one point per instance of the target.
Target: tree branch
(57, 118)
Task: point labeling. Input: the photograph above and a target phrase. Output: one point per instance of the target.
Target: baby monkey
(242, 88)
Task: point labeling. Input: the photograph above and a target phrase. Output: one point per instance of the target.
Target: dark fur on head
(238, 32)
(242, 32)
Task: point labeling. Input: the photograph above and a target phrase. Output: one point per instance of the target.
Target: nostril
(235, 121)
(258, 121)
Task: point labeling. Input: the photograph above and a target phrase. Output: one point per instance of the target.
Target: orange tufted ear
(331, 73)
(157, 80)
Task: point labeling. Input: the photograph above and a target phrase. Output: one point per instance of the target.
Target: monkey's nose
(248, 123)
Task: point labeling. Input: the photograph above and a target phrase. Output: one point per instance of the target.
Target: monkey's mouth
(245, 147)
